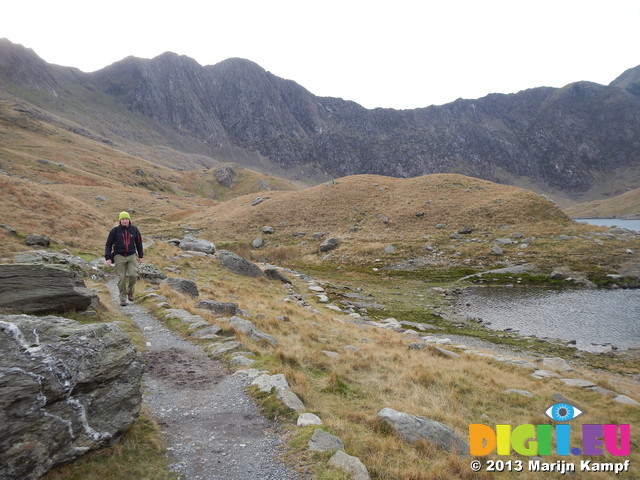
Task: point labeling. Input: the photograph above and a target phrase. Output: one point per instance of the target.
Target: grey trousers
(127, 270)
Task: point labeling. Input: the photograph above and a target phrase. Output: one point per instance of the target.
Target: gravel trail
(213, 428)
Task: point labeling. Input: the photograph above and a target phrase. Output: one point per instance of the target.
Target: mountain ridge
(555, 140)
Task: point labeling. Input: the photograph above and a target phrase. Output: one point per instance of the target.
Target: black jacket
(123, 241)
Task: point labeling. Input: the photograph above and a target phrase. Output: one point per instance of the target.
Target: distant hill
(568, 142)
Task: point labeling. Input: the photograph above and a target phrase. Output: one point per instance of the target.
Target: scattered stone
(206, 331)
(331, 354)
(183, 286)
(258, 200)
(225, 175)
(496, 250)
(626, 400)
(218, 349)
(266, 382)
(306, 419)
(275, 274)
(290, 400)
(329, 244)
(577, 382)
(556, 363)
(352, 465)
(516, 391)
(267, 230)
(239, 265)
(151, 273)
(322, 441)
(241, 361)
(249, 329)
(258, 242)
(218, 308)
(38, 240)
(197, 245)
(544, 374)
(413, 428)
(389, 250)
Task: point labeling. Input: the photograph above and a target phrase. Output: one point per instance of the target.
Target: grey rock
(329, 244)
(35, 239)
(577, 382)
(266, 382)
(239, 265)
(240, 361)
(34, 288)
(496, 250)
(218, 308)
(413, 428)
(544, 374)
(258, 200)
(249, 329)
(258, 242)
(183, 286)
(290, 400)
(523, 393)
(222, 348)
(66, 389)
(306, 419)
(206, 331)
(322, 441)
(350, 464)
(225, 175)
(275, 274)
(267, 230)
(151, 273)
(389, 249)
(626, 400)
(184, 316)
(197, 245)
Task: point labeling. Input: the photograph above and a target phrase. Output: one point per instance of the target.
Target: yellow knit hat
(124, 215)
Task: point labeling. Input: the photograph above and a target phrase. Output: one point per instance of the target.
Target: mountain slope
(173, 111)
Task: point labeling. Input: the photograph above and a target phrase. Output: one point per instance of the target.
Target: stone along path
(213, 428)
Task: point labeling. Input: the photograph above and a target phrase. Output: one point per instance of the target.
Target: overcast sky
(395, 53)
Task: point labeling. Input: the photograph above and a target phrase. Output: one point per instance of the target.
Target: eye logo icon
(562, 412)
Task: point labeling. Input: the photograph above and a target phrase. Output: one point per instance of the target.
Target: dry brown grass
(348, 391)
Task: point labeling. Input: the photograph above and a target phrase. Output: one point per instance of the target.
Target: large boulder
(183, 286)
(237, 264)
(413, 428)
(34, 288)
(65, 389)
(197, 245)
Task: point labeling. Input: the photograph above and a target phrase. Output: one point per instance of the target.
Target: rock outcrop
(65, 389)
(239, 265)
(34, 288)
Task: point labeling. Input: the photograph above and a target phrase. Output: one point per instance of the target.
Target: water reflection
(586, 316)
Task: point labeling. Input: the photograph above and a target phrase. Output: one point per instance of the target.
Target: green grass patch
(140, 454)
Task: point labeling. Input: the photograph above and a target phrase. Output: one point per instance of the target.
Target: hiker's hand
(108, 263)
(139, 261)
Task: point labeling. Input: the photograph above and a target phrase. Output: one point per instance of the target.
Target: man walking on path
(124, 249)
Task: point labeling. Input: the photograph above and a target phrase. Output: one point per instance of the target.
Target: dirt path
(214, 430)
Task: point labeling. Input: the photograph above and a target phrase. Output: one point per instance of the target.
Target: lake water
(612, 222)
(586, 316)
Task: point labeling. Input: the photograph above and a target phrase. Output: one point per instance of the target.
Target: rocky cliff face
(558, 139)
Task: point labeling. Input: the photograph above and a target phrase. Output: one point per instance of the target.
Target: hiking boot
(123, 303)
(130, 297)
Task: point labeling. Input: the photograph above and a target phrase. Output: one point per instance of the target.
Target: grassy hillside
(70, 187)
(625, 205)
